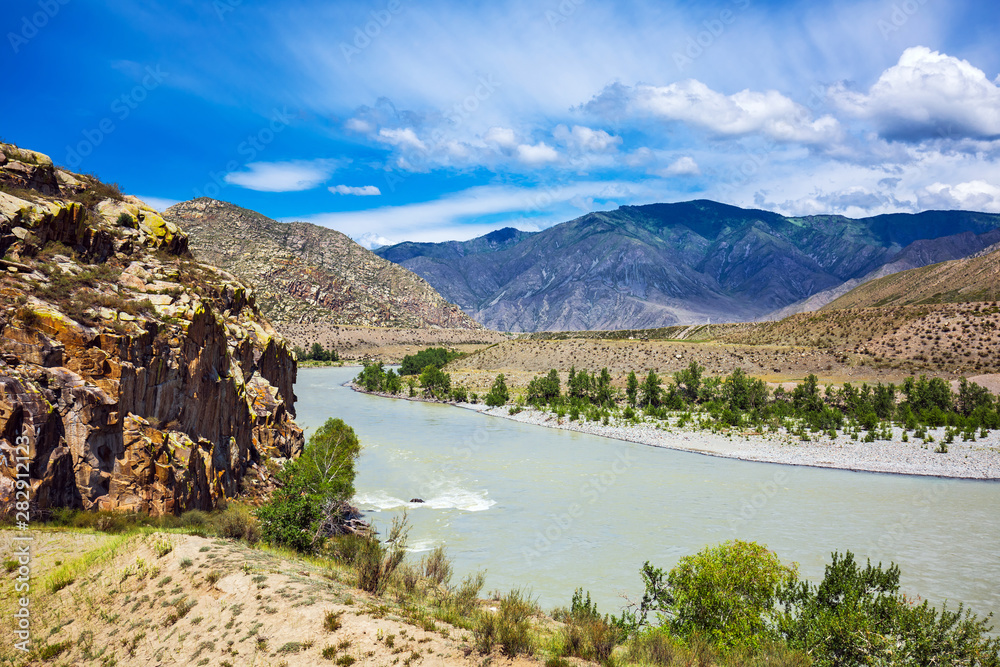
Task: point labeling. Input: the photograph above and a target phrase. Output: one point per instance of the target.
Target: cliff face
(142, 379)
(304, 273)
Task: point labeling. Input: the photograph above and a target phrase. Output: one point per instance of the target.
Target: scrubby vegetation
(738, 401)
(736, 603)
(438, 357)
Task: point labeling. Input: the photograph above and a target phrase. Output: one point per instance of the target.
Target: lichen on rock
(142, 379)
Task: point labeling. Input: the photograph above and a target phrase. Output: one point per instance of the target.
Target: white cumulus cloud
(503, 137)
(537, 154)
(361, 191)
(928, 95)
(970, 196)
(291, 176)
(747, 112)
(585, 139)
(685, 166)
(403, 138)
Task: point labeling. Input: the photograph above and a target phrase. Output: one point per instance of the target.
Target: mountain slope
(975, 278)
(665, 264)
(307, 273)
(140, 379)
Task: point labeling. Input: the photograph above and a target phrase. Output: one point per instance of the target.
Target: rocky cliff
(304, 273)
(142, 379)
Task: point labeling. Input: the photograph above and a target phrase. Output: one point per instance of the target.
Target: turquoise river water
(555, 510)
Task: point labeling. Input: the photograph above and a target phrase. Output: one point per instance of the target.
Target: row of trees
(735, 400)
(316, 353)
(738, 398)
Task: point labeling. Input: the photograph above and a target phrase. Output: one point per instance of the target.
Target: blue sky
(401, 120)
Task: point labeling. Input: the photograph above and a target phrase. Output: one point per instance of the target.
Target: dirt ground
(387, 345)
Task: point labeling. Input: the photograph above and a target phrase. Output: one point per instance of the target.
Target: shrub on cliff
(312, 487)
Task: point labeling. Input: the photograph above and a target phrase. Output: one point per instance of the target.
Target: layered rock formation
(142, 379)
(304, 273)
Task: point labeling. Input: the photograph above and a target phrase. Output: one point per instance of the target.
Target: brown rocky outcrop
(142, 379)
(305, 273)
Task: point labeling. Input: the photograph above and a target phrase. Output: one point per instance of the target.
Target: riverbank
(963, 460)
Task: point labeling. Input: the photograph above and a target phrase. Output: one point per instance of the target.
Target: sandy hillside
(388, 345)
(171, 599)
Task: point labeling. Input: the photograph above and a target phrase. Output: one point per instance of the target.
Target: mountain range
(664, 264)
(304, 273)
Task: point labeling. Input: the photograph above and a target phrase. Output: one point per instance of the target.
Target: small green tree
(857, 616)
(435, 381)
(688, 381)
(313, 489)
(498, 394)
(651, 390)
(632, 388)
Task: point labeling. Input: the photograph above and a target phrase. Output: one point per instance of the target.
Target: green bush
(509, 627)
(313, 488)
(858, 616)
(376, 562)
(437, 566)
(727, 593)
(432, 356)
(237, 522)
(586, 633)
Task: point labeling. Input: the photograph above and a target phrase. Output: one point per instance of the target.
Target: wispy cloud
(361, 191)
(291, 176)
(478, 210)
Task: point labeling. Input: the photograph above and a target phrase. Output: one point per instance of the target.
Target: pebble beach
(964, 460)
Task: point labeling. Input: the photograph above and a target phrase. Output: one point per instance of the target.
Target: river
(554, 510)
